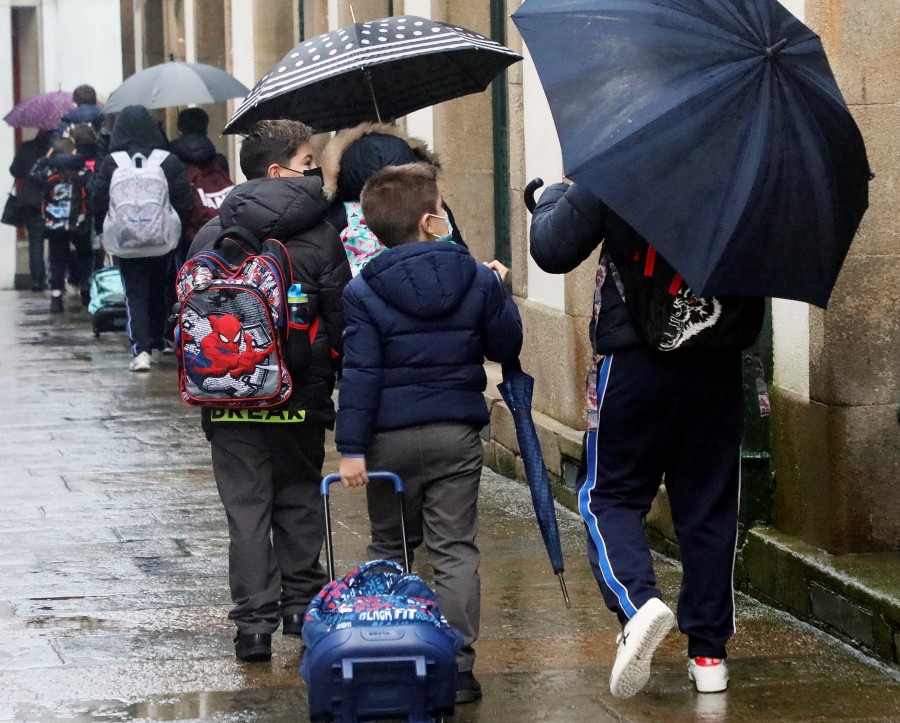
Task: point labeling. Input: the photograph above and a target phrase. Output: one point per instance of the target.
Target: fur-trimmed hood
(354, 154)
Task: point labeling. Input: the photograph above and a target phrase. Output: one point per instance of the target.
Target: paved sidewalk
(113, 576)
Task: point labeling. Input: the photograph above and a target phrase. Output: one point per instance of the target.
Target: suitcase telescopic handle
(373, 477)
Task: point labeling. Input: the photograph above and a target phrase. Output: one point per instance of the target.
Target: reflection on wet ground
(113, 576)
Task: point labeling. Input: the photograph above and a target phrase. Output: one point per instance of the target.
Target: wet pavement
(113, 576)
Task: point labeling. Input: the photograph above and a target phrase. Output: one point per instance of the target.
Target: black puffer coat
(292, 210)
(136, 132)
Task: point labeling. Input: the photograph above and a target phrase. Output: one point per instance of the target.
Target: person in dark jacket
(271, 149)
(193, 145)
(421, 318)
(145, 279)
(84, 110)
(349, 159)
(268, 471)
(654, 413)
(207, 173)
(63, 178)
(86, 146)
(30, 197)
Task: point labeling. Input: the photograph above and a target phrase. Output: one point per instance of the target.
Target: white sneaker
(141, 363)
(637, 643)
(710, 675)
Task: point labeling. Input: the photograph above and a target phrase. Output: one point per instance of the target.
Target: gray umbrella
(172, 84)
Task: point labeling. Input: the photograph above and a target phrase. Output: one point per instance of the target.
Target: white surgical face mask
(449, 235)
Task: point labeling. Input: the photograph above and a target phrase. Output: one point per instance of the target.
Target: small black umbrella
(516, 389)
(371, 71)
(171, 84)
(715, 128)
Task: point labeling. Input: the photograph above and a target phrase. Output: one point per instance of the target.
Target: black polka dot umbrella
(373, 71)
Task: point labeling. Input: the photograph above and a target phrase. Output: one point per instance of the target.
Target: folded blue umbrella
(517, 389)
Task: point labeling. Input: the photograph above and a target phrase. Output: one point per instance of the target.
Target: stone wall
(837, 453)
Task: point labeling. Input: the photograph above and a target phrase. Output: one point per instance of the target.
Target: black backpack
(668, 316)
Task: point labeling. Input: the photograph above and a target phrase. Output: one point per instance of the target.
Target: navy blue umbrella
(517, 388)
(715, 128)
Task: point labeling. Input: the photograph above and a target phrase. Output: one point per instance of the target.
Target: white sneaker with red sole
(637, 643)
(710, 675)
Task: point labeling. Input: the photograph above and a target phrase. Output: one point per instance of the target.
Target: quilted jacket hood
(354, 154)
(426, 279)
(275, 207)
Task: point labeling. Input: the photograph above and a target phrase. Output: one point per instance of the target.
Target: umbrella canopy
(372, 71)
(715, 128)
(40, 111)
(171, 84)
(516, 389)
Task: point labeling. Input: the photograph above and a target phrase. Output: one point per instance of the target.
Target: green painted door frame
(499, 94)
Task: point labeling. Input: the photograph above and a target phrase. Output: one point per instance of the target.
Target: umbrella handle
(533, 185)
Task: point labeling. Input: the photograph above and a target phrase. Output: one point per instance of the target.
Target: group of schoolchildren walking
(67, 176)
(410, 331)
(407, 316)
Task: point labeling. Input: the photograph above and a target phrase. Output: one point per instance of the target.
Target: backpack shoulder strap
(157, 157)
(239, 237)
(122, 159)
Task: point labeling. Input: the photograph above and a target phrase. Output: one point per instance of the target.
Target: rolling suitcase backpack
(107, 305)
(377, 644)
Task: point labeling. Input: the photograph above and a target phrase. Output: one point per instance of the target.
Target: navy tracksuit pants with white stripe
(680, 417)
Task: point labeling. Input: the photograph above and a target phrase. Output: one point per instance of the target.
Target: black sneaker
(253, 647)
(468, 689)
(56, 304)
(292, 625)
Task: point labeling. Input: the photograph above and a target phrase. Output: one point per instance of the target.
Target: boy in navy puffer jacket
(420, 320)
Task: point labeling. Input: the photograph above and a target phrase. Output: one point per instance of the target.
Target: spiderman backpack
(232, 329)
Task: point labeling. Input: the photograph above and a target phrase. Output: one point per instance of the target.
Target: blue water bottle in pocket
(298, 306)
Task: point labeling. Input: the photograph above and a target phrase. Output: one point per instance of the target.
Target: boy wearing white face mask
(420, 319)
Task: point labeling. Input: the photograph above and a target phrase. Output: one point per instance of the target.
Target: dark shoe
(253, 647)
(56, 304)
(468, 689)
(38, 286)
(292, 625)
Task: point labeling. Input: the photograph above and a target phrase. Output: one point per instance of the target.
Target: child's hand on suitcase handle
(353, 471)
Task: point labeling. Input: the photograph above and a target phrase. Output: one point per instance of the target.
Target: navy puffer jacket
(421, 318)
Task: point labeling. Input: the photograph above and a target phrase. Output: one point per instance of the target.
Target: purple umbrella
(40, 111)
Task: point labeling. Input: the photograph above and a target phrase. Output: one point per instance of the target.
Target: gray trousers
(440, 465)
(268, 478)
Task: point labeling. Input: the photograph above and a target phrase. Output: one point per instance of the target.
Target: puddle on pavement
(78, 622)
(284, 704)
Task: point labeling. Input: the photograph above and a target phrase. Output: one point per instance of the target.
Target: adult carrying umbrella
(516, 389)
(171, 84)
(40, 111)
(715, 128)
(372, 71)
